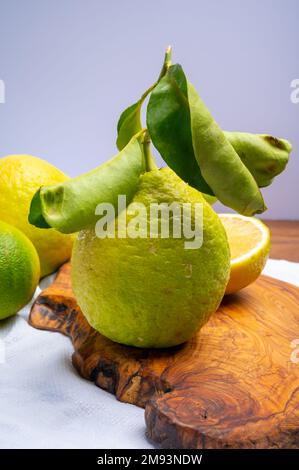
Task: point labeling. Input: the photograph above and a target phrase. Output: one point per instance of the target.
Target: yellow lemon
(20, 177)
(249, 241)
(19, 270)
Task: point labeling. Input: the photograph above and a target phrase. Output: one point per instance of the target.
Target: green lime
(152, 292)
(19, 270)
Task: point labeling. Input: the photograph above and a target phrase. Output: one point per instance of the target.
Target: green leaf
(193, 145)
(35, 214)
(169, 125)
(70, 206)
(128, 124)
(265, 156)
(221, 166)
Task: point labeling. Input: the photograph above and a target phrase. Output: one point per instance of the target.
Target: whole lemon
(20, 177)
(19, 270)
(152, 292)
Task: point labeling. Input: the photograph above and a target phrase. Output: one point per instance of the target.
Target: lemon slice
(249, 241)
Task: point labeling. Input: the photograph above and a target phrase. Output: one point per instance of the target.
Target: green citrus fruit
(19, 270)
(152, 292)
(20, 177)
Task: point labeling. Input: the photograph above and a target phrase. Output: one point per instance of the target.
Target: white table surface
(45, 404)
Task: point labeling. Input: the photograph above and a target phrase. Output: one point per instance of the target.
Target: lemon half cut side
(249, 241)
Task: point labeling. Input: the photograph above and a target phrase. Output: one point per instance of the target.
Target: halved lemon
(249, 241)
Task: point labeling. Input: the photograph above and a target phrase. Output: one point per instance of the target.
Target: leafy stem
(129, 123)
(150, 163)
(165, 67)
(166, 64)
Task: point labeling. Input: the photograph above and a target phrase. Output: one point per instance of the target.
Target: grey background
(71, 66)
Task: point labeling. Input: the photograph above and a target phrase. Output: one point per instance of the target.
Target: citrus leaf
(70, 206)
(169, 125)
(221, 166)
(35, 216)
(128, 124)
(265, 156)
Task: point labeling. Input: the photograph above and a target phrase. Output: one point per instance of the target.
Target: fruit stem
(150, 163)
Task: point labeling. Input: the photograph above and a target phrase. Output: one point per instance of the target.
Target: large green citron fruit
(152, 292)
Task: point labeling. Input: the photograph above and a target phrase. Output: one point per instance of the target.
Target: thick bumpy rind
(152, 292)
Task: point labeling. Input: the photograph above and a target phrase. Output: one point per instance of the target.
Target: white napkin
(45, 404)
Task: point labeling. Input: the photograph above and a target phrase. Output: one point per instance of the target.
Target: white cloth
(45, 404)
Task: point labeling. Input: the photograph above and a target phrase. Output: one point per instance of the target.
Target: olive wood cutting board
(233, 385)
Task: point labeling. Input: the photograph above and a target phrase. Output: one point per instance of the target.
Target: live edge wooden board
(233, 385)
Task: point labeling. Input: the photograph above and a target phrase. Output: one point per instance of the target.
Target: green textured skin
(19, 270)
(152, 292)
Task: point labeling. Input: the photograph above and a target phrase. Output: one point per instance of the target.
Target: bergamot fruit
(152, 292)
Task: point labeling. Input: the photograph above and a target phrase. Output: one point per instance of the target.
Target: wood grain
(284, 239)
(233, 385)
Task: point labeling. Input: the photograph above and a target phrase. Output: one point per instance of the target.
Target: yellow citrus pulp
(249, 241)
